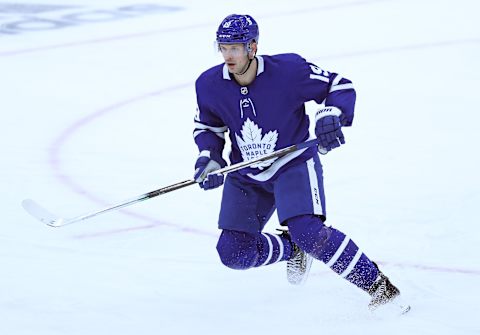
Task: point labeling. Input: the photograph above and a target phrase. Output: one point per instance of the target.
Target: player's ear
(253, 49)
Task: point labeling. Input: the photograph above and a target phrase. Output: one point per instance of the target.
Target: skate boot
(298, 266)
(384, 294)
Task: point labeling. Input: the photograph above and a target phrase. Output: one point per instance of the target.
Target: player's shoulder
(286, 64)
(286, 59)
(211, 75)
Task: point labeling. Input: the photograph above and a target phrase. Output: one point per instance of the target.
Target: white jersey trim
(319, 77)
(226, 74)
(202, 126)
(261, 65)
(341, 87)
(260, 68)
(198, 132)
(336, 80)
(204, 153)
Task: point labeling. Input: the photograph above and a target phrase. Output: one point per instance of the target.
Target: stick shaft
(132, 201)
(39, 212)
(185, 183)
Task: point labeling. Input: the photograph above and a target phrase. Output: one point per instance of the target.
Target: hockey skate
(298, 266)
(386, 295)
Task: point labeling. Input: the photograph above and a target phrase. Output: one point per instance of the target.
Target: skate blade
(395, 307)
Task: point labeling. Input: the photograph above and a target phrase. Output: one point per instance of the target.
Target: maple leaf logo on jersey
(253, 145)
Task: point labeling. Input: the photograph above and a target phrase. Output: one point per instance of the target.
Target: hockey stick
(52, 220)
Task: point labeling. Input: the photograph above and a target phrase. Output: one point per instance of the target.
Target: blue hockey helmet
(237, 28)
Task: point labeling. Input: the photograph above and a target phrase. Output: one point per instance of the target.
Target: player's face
(235, 56)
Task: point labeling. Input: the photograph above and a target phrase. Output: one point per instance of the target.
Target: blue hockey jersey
(269, 114)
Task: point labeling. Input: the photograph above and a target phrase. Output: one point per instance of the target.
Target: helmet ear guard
(249, 48)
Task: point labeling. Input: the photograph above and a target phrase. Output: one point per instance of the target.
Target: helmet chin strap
(246, 67)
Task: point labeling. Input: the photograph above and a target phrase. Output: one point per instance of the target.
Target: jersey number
(319, 74)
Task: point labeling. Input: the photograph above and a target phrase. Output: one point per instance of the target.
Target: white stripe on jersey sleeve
(337, 80)
(202, 126)
(319, 77)
(336, 86)
(198, 132)
(341, 87)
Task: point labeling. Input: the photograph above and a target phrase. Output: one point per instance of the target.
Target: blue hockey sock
(242, 250)
(334, 248)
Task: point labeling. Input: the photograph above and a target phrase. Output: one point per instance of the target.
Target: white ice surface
(101, 112)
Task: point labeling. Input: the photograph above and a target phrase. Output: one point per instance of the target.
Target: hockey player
(260, 101)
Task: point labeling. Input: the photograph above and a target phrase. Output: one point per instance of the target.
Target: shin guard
(334, 248)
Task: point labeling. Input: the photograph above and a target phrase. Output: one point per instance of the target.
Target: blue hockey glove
(328, 129)
(207, 162)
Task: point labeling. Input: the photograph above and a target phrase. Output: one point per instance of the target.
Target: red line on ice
(55, 159)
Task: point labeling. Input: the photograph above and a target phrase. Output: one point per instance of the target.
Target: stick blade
(41, 214)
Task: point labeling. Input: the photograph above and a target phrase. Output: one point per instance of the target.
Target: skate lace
(380, 294)
(297, 261)
(296, 266)
(383, 292)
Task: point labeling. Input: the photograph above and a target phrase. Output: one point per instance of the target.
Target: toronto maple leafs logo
(253, 145)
